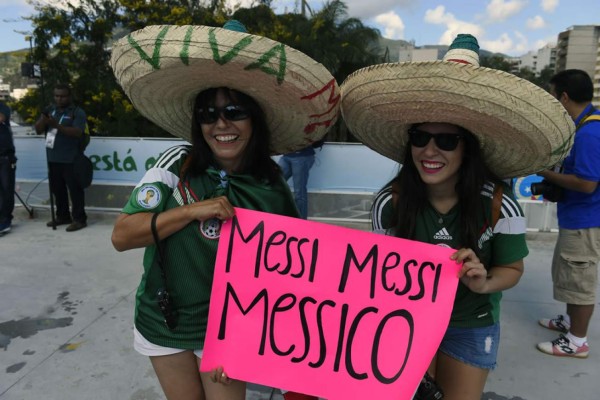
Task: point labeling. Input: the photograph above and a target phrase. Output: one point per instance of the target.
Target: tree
(72, 44)
(496, 62)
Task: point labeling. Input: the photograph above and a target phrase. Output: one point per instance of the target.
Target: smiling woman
(217, 89)
(457, 128)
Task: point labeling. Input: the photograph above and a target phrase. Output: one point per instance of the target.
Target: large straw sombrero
(163, 68)
(521, 128)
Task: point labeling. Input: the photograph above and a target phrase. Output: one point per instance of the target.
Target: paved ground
(66, 304)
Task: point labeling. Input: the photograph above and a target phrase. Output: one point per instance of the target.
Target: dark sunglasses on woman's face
(443, 141)
(210, 115)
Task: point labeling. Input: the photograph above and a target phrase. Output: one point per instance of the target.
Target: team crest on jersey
(211, 228)
(148, 196)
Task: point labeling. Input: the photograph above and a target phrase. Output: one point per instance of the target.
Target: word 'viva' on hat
(521, 128)
(162, 69)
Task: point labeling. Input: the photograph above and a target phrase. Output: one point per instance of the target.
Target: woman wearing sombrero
(238, 99)
(458, 129)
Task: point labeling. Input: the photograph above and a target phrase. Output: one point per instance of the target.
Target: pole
(43, 96)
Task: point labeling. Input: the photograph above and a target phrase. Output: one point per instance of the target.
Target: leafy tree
(527, 74)
(543, 79)
(496, 62)
(72, 45)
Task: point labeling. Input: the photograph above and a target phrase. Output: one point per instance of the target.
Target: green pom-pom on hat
(463, 50)
(235, 25)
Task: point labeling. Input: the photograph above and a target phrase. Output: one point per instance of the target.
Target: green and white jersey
(191, 252)
(501, 244)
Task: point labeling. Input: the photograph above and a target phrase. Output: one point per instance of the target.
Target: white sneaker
(558, 323)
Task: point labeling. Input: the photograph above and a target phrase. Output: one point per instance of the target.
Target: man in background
(297, 166)
(8, 166)
(64, 126)
(577, 252)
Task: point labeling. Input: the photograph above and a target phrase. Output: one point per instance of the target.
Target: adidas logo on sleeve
(442, 234)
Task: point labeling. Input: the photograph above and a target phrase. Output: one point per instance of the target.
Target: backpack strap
(496, 203)
(589, 119)
(591, 116)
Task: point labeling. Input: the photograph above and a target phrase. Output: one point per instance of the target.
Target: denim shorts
(473, 346)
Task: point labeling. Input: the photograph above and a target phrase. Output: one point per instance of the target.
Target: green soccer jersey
(191, 252)
(501, 244)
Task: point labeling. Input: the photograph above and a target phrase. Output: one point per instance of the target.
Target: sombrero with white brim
(162, 68)
(521, 128)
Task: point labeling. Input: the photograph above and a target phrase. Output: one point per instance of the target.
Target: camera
(550, 191)
(428, 389)
(164, 303)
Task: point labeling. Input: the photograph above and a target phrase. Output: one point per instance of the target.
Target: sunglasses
(210, 115)
(443, 141)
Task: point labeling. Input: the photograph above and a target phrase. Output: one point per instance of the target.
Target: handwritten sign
(326, 310)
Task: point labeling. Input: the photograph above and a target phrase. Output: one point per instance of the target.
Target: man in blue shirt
(577, 252)
(64, 126)
(8, 165)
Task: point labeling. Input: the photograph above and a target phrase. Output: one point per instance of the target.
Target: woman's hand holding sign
(472, 273)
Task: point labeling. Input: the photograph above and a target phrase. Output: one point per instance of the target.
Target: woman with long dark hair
(234, 118)
(458, 129)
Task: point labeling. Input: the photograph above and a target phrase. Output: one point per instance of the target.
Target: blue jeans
(297, 167)
(8, 168)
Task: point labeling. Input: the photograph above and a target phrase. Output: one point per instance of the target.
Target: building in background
(423, 53)
(537, 60)
(546, 58)
(579, 47)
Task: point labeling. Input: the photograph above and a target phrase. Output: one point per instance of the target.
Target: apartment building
(579, 47)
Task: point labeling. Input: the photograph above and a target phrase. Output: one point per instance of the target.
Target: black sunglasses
(444, 141)
(210, 115)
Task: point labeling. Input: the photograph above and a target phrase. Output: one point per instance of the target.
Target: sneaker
(563, 347)
(75, 226)
(4, 227)
(58, 222)
(556, 324)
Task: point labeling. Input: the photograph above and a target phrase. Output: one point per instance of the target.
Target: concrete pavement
(66, 309)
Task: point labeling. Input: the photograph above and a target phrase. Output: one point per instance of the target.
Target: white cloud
(522, 45)
(393, 26)
(550, 40)
(503, 44)
(536, 22)
(500, 10)
(439, 16)
(370, 9)
(549, 5)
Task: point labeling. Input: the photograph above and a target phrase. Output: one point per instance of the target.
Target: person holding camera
(64, 126)
(577, 251)
(458, 129)
(8, 166)
(235, 117)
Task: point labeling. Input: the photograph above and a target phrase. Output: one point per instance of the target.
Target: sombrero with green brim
(521, 128)
(162, 68)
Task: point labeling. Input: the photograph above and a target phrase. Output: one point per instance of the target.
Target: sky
(512, 27)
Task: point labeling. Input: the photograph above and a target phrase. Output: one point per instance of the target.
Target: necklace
(440, 217)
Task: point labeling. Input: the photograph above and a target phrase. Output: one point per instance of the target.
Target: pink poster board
(326, 310)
